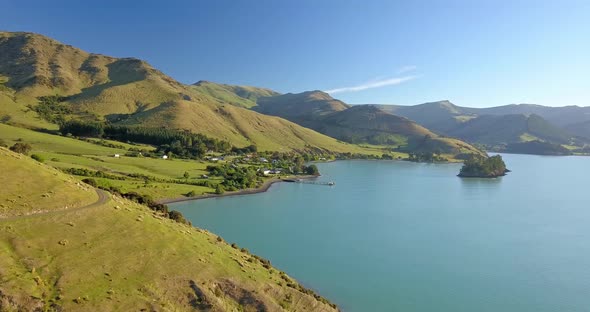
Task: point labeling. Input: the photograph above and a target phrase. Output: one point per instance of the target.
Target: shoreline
(263, 188)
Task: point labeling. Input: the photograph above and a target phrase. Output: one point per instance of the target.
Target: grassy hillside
(130, 91)
(50, 189)
(581, 129)
(75, 259)
(302, 108)
(368, 123)
(243, 96)
(439, 116)
(491, 129)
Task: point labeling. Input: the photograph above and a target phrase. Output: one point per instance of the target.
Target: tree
(186, 175)
(22, 148)
(312, 170)
(219, 189)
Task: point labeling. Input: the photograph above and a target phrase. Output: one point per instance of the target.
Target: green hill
(537, 148)
(75, 259)
(559, 116)
(243, 96)
(304, 108)
(370, 124)
(493, 130)
(581, 129)
(130, 91)
(440, 116)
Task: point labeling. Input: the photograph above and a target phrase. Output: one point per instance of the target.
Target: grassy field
(123, 256)
(53, 143)
(66, 152)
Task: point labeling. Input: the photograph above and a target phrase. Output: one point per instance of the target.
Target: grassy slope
(63, 152)
(243, 96)
(302, 108)
(131, 91)
(54, 259)
(48, 190)
(371, 123)
(498, 129)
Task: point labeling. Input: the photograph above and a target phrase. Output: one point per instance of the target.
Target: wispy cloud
(373, 84)
(406, 69)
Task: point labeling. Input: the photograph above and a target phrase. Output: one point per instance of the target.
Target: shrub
(90, 182)
(22, 148)
(38, 158)
(219, 189)
(191, 194)
(178, 217)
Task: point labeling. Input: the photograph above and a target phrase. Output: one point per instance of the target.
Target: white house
(266, 172)
(165, 157)
(117, 155)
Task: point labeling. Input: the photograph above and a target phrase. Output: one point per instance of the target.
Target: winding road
(103, 198)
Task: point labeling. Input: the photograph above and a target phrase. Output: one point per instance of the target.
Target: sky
(474, 53)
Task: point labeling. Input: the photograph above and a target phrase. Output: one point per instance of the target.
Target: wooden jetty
(330, 183)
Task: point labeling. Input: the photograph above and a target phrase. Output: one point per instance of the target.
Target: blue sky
(475, 53)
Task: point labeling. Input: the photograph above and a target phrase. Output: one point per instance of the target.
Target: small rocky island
(480, 167)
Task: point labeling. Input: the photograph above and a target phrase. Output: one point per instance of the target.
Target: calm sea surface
(400, 236)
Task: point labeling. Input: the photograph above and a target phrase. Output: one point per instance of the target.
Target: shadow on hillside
(120, 72)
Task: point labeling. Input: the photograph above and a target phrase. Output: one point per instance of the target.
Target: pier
(330, 183)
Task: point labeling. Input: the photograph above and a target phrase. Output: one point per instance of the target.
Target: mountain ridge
(99, 87)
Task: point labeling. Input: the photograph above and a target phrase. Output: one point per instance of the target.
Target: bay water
(401, 236)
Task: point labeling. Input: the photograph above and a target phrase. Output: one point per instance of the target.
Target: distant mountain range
(502, 125)
(129, 91)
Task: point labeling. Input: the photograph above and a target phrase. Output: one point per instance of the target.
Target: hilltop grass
(241, 96)
(123, 256)
(19, 197)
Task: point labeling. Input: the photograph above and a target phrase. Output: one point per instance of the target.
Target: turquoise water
(399, 236)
